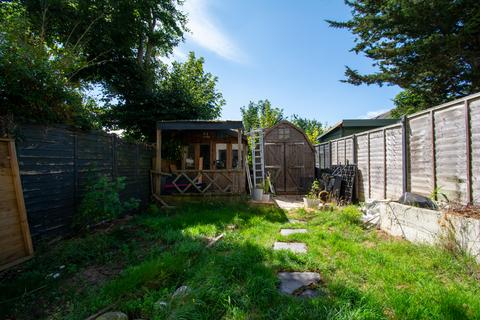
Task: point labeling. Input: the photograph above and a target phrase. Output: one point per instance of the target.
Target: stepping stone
(298, 283)
(296, 221)
(287, 232)
(297, 247)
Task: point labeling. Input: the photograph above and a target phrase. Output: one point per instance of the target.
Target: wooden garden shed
(289, 158)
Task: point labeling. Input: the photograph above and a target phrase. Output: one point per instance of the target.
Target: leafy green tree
(119, 38)
(260, 114)
(408, 102)
(186, 91)
(313, 128)
(36, 82)
(430, 48)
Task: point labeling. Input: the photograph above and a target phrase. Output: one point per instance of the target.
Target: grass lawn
(139, 262)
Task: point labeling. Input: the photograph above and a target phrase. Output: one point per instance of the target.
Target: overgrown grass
(365, 274)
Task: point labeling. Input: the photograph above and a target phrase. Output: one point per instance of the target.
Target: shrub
(102, 202)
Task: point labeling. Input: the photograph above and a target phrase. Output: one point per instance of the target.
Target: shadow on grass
(159, 252)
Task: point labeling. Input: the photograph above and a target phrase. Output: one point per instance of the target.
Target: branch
(87, 30)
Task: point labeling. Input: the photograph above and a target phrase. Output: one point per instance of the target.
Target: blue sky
(283, 51)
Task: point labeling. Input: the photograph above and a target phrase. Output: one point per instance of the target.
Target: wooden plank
(20, 201)
(15, 238)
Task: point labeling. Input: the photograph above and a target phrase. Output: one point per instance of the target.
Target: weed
(102, 202)
(351, 214)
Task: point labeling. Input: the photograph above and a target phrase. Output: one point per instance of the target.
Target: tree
(119, 38)
(52, 50)
(185, 92)
(408, 102)
(35, 78)
(260, 114)
(430, 48)
(313, 128)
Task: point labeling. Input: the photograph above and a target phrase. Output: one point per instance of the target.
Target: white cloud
(177, 55)
(373, 114)
(206, 33)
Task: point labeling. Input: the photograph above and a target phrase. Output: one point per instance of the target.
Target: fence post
(137, 162)
(331, 153)
(434, 159)
(404, 155)
(368, 162)
(75, 169)
(468, 152)
(384, 164)
(354, 149)
(114, 157)
(355, 162)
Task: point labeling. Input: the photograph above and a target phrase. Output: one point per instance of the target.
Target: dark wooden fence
(55, 167)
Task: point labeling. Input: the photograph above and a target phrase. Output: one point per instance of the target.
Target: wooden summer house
(199, 158)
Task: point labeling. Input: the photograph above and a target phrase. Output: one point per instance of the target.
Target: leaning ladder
(258, 157)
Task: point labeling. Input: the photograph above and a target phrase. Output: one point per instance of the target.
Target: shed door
(274, 164)
(294, 166)
(285, 162)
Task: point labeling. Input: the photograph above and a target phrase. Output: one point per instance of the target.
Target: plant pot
(267, 197)
(311, 203)
(257, 194)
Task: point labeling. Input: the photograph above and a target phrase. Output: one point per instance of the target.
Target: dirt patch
(468, 211)
(369, 244)
(98, 274)
(388, 237)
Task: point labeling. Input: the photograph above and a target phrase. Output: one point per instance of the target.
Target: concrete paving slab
(296, 221)
(287, 232)
(289, 202)
(298, 283)
(296, 247)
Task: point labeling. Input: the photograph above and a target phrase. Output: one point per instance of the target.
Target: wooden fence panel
(393, 159)
(349, 151)
(46, 161)
(341, 151)
(334, 153)
(57, 164)
(362, 164)
(475, 149)
(15, 241)
(450, 155)
(377, 161)
(420, 151)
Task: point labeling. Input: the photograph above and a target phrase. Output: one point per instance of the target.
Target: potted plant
(312, 200)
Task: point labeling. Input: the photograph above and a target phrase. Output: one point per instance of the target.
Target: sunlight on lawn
(364, 273)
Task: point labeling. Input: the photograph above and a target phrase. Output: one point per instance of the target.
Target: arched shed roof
(267, 131)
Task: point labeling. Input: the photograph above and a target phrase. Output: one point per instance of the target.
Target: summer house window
(221, 156)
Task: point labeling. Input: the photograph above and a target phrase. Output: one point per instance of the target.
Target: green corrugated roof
(346, 123)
